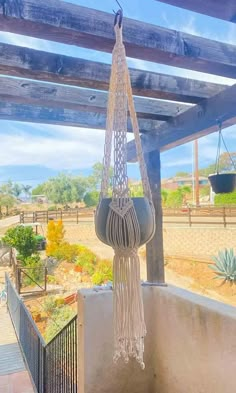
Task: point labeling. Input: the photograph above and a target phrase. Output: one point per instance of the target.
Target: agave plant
(225, 266)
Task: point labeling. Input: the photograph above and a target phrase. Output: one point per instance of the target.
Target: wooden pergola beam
(196, 122)
(65, 117)
(23, 91)
(225, 10)
(39, 65)
(93, 29)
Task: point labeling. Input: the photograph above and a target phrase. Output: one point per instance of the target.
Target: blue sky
(32, 152)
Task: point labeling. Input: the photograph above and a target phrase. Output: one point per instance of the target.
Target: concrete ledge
(190, 346)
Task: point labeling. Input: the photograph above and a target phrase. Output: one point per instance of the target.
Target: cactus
(225, 266)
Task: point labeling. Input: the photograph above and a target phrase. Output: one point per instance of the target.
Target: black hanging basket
(223, 183)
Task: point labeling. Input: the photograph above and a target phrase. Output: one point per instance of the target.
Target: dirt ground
(191, 275)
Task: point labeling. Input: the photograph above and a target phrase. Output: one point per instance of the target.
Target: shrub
(51, 279)
(174, 199)
(55, 236)
(59, 318)
(22, 239)
(91, 198)
(103, 272)
(35, 270)
(52, 208)
(225, 199)
(65, 252)
(86, 260)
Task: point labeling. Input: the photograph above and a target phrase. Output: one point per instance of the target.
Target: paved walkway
(14, 377)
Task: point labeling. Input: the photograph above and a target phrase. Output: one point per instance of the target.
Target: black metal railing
(53, 365)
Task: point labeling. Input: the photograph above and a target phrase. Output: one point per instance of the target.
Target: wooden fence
(69, 216)
(210, 216)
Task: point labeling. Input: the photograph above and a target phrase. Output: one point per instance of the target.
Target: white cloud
(56, 147)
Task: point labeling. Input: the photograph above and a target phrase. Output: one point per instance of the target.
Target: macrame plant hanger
(122, 222)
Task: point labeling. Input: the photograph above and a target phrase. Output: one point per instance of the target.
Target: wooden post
(154, 249)
(196, 177)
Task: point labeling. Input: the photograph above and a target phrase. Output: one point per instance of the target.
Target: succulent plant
(225, 266)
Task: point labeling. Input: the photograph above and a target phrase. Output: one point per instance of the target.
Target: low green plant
(225, 199)
(225, 266)
(51, 279)
(65, 252)
(103, 272)
(22, 239)
(87, 261)
(34, 272)
(59, 318)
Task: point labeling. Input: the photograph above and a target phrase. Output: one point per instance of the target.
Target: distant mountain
(36, 174)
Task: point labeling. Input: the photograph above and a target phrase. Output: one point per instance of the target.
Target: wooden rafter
(197, 121)
(220, 9)
(23, 91)
(39, 65)
(65, 117)
(85, 27)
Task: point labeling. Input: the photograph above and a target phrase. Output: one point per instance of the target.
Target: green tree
(164, 196)
(22, 239)
(91, 198)
(16, 189)
(39, 190)
(6, 201)
(182, 174)
(178, 197)
(65, 188)
(225, 165)
(94, 180)
(26, 189)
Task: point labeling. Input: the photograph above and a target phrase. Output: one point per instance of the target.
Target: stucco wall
(190, 346)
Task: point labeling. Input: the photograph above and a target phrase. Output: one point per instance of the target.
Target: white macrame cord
(122, 228)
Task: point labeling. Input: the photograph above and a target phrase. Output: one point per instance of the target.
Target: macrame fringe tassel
(129, 324)
(123, 232)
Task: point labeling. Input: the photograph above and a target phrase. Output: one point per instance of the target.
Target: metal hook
(118, 15)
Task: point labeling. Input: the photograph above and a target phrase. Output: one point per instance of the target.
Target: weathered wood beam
(23, 91)
(39, 65)
(71, 24)
(196, 122)
(48, 115)
(154, 249)
(225, 10)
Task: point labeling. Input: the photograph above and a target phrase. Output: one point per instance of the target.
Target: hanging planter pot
(223, 183)
(144, 214)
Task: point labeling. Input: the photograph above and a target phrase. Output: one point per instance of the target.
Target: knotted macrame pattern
(122, 226)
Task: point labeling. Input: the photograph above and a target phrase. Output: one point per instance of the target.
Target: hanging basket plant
(222, 183)
(122, 222)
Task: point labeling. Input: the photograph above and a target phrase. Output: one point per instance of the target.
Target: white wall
(190, 346)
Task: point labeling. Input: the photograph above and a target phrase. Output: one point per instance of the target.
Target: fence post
(22, 218)
(47, 216)
(45, 278)
(44, 360)
(18, 279)
(77, 216)
(189, 217)
(224, 217)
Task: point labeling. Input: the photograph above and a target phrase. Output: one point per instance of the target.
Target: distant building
(175, 182)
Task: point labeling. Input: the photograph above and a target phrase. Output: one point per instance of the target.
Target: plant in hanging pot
(222, 183)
